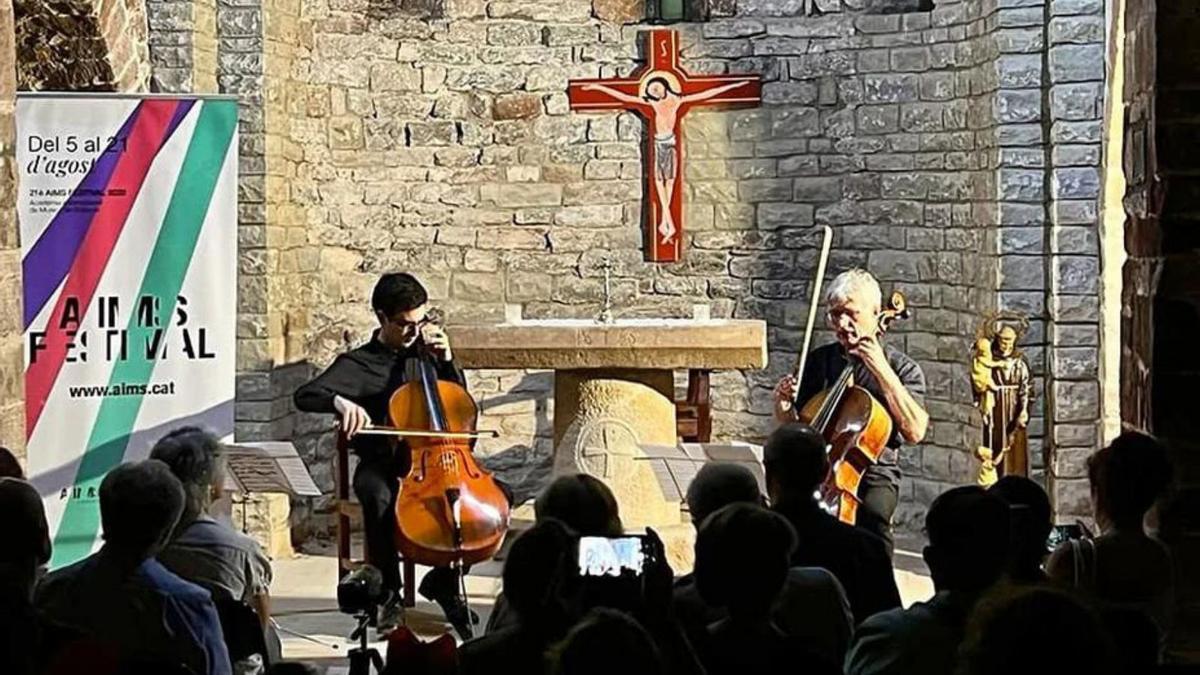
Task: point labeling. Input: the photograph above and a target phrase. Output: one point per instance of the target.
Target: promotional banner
(128, 221)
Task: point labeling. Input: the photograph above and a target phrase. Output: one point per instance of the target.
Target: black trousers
(376, 484)
(879, 499)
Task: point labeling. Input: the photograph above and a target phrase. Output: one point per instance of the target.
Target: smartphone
(612, 556)
(1061, 534)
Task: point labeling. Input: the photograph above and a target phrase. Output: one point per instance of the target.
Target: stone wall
(953, 151)
(82, 45)
(1173, 303)
(446, 147)
(12, 382)
(1073, 118)
(183, 45)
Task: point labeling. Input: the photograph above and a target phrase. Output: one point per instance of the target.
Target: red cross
(662, 93)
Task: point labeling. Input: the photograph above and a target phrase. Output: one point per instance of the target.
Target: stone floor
(305, 603)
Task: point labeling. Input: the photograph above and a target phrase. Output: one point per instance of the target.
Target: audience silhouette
(743, 552)
(1033, 630)
(1125, 567)
(121, 596)
(26, 548)
(968, 545)
(9, 466)
(772, 587)
(1029, 527)
(608, 641)
(535, 573)
(811, 606)
(795, 463)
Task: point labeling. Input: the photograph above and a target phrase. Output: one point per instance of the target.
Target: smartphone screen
(611, 556)
(1063, 533)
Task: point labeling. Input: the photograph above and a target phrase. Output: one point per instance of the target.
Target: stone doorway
(1161, 294)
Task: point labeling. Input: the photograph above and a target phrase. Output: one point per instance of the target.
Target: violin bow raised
(814, 302)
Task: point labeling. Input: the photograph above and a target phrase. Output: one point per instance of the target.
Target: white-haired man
(854, 301)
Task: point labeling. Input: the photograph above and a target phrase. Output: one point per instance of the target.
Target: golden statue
(1000, 380)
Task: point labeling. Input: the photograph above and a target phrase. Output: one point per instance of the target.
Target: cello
(450, 511)
(855, 425)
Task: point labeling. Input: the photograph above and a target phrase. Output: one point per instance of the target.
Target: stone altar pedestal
(614, 390)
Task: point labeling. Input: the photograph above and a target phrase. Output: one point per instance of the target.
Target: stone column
(1076, 56)
(601, 418)
(183, 45)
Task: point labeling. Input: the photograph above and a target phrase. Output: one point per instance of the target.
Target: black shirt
(368, 376)
(858, 559)
(824, 367)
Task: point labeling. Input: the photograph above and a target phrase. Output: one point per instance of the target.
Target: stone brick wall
(12, 412)
(953, 151)
(82, 45)
(1076, 64)
(1168, 317)
(183, 45)
(446, 146)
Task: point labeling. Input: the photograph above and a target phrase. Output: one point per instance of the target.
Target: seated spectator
(1025, 631)
(534, 572)
(203, 551)
(968, 545)
(121, 596)
(26, 549)
(795, 462)
(1124, 567)
(1030, 525)
(606, 642)
(742, 558)
(9, 466)
(812, 605)
(581, 502)
(719, 484)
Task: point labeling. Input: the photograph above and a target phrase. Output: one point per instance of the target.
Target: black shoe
(460, 616)
(391, 615)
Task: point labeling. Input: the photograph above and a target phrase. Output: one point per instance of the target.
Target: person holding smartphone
(357, 388)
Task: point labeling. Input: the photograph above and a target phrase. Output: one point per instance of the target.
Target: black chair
(243, 631)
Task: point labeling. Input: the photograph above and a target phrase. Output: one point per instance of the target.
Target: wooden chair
(693, 415)
(347, 510)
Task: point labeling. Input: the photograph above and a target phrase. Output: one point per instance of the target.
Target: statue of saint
(1000, 379)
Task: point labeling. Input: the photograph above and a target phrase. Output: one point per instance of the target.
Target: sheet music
(268, 466)
(676, 466)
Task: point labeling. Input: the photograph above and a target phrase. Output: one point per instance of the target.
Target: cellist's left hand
(437, 340)
(871, 352)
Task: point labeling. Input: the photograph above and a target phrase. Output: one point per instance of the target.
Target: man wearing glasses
(357, 388)
(854, 301)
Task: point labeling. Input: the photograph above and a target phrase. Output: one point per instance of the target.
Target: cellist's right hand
(354, 417)
(785, 399)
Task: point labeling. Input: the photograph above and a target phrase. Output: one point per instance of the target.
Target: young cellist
(357, 387)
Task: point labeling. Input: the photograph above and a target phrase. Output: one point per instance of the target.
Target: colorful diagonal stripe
(145, 139)
(165, 273)
(51, 256)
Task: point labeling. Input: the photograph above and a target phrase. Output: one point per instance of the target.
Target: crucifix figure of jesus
(662, 93)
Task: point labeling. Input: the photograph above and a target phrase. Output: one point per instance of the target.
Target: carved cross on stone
(663, 93)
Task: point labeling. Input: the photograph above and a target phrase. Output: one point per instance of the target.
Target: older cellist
(854, 301)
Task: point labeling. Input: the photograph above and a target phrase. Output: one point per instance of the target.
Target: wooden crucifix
(662, 93)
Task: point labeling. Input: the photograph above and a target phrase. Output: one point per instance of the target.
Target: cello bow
(822, 261)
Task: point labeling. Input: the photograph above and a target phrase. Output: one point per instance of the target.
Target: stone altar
(614, 389)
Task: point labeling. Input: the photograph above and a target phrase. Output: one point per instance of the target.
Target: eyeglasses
(432, 316)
